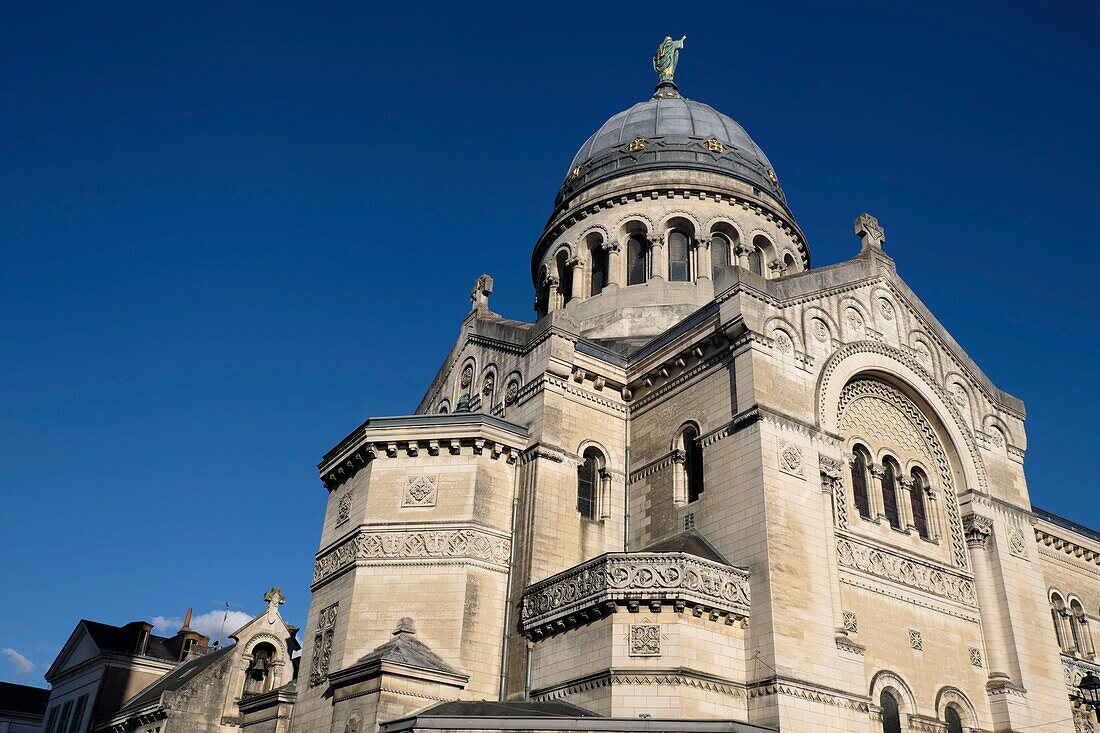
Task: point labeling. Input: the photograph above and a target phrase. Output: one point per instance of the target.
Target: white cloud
(22, 664)
(216, 624)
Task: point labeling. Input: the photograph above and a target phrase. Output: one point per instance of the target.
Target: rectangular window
(63, 721)
(51, 718)
(78, 714)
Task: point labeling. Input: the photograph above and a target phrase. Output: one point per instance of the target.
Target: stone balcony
(634, 580)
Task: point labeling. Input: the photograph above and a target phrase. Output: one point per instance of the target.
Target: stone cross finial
(870, 232)
(273, 598)
(479, 296)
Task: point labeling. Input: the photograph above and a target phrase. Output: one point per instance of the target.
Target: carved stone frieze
(597, 586)
(411, 545)
(883, 563)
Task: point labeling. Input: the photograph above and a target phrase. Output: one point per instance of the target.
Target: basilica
(711, 487)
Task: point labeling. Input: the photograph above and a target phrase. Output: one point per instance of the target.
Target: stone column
(702, 259)
(741, 254)
(933, 513)
(906, 487)
(578, 290)
(978, 530)
(679, 479)
(835, 502)
(874, 489)
(614, 263)
(658, 263)
(553, 297)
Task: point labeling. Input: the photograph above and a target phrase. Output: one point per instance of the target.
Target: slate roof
(172, 681)
(690, 542)
(404, 648)
(676, 130)
(120, 638)
(23, 699)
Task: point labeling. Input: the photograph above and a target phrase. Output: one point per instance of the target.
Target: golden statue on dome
(667, 56)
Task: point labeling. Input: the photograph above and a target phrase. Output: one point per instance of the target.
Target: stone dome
(669, 131)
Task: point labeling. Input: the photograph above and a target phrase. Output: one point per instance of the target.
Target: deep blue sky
(229, 235)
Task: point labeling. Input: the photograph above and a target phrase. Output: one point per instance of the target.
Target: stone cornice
(1048, 536)
(599, 586)
(678, 676)
(432, 434)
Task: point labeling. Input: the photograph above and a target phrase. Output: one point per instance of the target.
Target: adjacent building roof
(120, 639)
(174, 680)
(690, 542)
(23, 699)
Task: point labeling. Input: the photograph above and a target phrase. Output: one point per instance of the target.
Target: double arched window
(637, 260)
(679, 256)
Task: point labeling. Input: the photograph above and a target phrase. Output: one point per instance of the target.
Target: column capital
(977, 530)
(610, 245)
(877, 470)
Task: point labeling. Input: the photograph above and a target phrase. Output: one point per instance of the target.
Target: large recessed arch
(878, 360)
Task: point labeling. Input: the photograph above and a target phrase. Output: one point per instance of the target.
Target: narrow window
(719, 254)
(891, 718)
(890, 493)
(1076, 614)
(954, 722)
(1057, 610)
(588, 481)
(788, 264)
(64, 720)
(916, 500)
(637, 250)
(599, 270)
(860, 463)
(78, 714)
(543, 306)
(679, 257)
(756, 262)
(565, 277)
(693, 462)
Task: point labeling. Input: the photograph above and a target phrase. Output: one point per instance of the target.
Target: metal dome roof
(668, 132)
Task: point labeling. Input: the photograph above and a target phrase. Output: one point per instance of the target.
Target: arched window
(757, 258)
(565, 276)
(1057, 612)
(679, 256)
(599, 270)
(693, 462)
(257, 677)
(916, 500)
(542, 305)
(788, 264)
(954, 722)
(719, 254)
(890, 492)
(891, 717)
(588, 483)
(637, 254)
(861, 462)
(1077, 626)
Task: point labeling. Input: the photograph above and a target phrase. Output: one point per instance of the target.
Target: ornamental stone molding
(420, 491)
(400, 545)
(977, 529)
(909, 571)
(599, 586)
(645, 640)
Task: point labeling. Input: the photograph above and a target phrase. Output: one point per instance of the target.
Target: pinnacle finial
(405, 626)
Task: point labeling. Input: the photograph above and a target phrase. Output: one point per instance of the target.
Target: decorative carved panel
(322, 645)
(420, 491)
(645, 640)
(883, 563)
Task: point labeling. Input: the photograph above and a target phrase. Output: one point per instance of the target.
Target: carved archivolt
(403, 545)
(953, 696)
(826, 414)
(871, 407)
